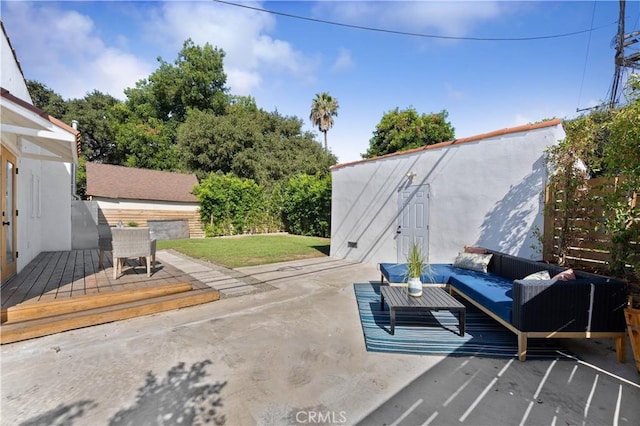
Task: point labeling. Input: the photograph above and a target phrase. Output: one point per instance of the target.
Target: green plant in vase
(415, 264)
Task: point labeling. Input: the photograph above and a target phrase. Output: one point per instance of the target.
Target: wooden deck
(60, 291)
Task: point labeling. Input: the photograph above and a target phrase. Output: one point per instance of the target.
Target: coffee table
(432, 299)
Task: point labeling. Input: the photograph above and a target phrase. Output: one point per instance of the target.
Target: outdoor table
(432, 299)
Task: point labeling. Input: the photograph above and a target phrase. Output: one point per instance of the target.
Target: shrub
(230, 205)
(306, 205)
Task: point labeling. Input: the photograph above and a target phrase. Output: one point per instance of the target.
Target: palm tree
(323, 108)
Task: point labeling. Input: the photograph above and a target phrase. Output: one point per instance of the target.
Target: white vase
(414, 286)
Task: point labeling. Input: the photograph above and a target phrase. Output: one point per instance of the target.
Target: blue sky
(76, 47)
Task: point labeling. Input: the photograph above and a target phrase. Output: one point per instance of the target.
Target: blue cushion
(397, 273)
(491, 291)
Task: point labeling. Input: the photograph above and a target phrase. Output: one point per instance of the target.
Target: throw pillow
(473, 261)
(540, 275)
(565, 275)
(478, 250)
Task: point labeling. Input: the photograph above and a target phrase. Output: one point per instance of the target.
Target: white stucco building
(486, 190)
(37, 154)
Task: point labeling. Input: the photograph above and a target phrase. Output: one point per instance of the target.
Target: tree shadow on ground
(324, 249)
(179, 398)
(62, 415)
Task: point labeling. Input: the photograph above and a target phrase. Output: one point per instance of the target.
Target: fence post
(548, 233)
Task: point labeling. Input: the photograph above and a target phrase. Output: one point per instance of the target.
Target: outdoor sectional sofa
(589, 306)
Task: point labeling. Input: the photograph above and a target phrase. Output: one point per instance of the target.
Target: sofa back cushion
(516, 268)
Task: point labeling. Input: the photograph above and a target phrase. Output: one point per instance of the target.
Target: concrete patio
(290, 353)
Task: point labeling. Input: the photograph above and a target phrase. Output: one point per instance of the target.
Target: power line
(382, 30)
(586, 57)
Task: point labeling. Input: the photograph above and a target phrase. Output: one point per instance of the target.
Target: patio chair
(132, 242)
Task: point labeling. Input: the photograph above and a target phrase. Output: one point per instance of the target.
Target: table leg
(381, 301)
(461, 320)
(392, 314)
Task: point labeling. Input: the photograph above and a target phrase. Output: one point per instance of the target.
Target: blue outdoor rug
(437, 333)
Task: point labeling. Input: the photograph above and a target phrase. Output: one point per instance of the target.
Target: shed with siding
(143, 196)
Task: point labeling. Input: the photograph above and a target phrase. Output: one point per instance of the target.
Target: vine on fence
(607, 144)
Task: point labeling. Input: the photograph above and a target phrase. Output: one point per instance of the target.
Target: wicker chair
(132, 242)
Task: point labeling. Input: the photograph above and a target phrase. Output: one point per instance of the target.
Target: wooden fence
(112, 216)
(574, 233)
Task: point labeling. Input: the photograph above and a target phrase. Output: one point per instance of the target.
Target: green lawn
(250, 250)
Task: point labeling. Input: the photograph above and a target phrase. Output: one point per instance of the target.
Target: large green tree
(250, 143)
(323, 108)
(47, 99)
(146, 133)
(196, 80)
(401, 130)
(93, 114)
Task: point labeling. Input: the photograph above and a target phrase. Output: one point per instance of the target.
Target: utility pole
(623, 41)
(619, 58)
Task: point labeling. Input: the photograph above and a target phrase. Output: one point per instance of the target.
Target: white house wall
(487, 192)
(56, 202)
(43, 196)
(29, 221)
(12, 78)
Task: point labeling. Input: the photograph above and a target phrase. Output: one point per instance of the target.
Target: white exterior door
(8, 234)
(413, 220)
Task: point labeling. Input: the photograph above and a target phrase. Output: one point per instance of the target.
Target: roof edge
(13, 98)
(492, 134)
(13, 51)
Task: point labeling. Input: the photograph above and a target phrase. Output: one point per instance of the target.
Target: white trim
(46, 134)
(29, 126)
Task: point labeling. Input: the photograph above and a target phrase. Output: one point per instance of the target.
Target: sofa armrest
(570, 306)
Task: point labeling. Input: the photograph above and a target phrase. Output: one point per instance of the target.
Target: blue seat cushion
(490, 290)
(397, 273)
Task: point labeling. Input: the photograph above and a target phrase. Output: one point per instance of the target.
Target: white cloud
(243, 81)
(244, 35)
(343, 62)
(451, 18)
(453, 93)
(61, 49)
(521, 119)
(65, 50)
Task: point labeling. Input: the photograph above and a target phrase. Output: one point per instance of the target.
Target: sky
(466, 57)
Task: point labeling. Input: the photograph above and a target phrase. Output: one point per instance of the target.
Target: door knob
(6, 223)
(399, 230)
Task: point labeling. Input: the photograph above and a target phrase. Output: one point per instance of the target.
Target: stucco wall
(486, 192)
(12, 79)
(43, 187)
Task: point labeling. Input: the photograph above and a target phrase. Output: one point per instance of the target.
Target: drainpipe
(74, 169)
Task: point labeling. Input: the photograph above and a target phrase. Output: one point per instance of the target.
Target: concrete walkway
(229, 282)
(283, 346)
(263, 358)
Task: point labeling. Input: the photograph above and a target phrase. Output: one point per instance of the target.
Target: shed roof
(119, 182)
(495, 133)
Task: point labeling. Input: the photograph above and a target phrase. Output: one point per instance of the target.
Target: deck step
(22, 330)
(35, 310)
